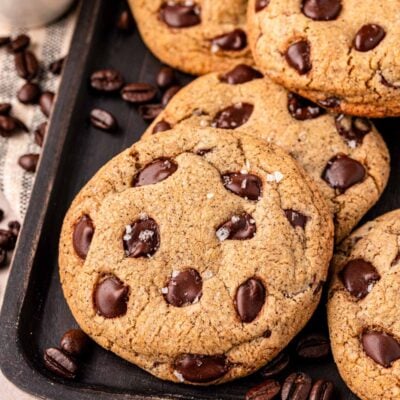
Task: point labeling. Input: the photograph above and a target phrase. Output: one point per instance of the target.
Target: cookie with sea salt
(196, 255)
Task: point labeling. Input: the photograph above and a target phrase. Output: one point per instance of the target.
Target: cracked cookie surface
(339, 53)
(345, 156)
(196, 255)
(363, 309)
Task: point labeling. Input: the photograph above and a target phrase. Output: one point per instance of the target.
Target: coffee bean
(231, 41)
(322, 10)
(368, 37)
(303, 109)
(74, 342)
(7, 240)
(233, 116)
(103, 120)
(138, 92)
(40, 133)
(239, 227)
(125, 22)
(240, 74)
(352, 129)
(244, 185)
(161, 126)
(267, 390)
(26, 65)
(322, 390)
(149, 112)
(298, 56)
(184, 288)
(141, 238)
(250, 298)
(9, 125)
(169, 94)
(56, 66)
(261, 4)
(201, 368)
(179, 15)
(14, 227)
(297, 386)
(60, 363)
(20, 43)
(29, 162)
(384, 349)
(5, 108)
(296, 218)
(359, 277)
(3, 258)
(165, 77)
(82, 236)
(4, 40)
(106, 80)
(29, 93)
(313, 346)
(276, 366)
(110, 297)
(155, 172)
(46, 101)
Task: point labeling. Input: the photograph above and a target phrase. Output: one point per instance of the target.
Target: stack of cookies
(202, 250)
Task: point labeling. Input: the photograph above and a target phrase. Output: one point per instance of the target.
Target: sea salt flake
(235, 219)
(203, 123)
(352, 144)
(276, 176)
(145, 235)
(128, 229)
(222, 234)
(175, 274)
(214, 48)
(143, 216)
(247, 163)
(207, 274)
(210, 195)
(127, 237)
(164, 290)
(244, 171)
(179, 376)
(243, 184)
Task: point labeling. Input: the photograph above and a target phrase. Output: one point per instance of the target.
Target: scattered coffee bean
(125, 22)
(322, 390)
(169, 94)
(60, 363)
(4, 40)
(7, 240)
(149, 112)
(313, 346)
(14, 227)
(267, 390)
(165, 77)
(26, 65)
(20, 43)
(161, 126)
(29, 93)
(276, 366)
(106, 80)
(56, 66)
(5, 108)
(103, 120)
(46, 101)
(29, 162)
(40, 133)
(74, 342)
(10, 125)
(138, 92)
(297, 386)
(3, 258)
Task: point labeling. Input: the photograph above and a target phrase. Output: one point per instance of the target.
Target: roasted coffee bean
(138, 92)
(82, 236)
(125, 22)
(240, 74)
(261, 4)
(4, 40)
(29, 162)
(250, 299)
(322, 390)
(303, 109)
(244, 185)
(233, 117)
(296, 218)
(276, 366)
(313, 346)
(298, 56)
(169, 94)
(60, 363)
(5, 108)
(56, 66)
(161, 126)
(29, 93)
(9, 125)
(155, 172)
(267, 390)
(165, 77)
(297, 386)
(368, 37)
(74, 342)
(40, 133)
(106, 80)
(180, 15)
(239, 227)
(3, 258)
(20, 43)
(26, 65)
(384, 349)
(14, 227)
(322, 10)
(7, 240)
(46, 101)
(149, 112)
(103, 120)
(231, 41)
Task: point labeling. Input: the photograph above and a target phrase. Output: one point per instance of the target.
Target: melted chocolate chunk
(244, 185)
(303, 109)
(322, 10)
(296, 218)
(298, 56)
(250, 299)
(261, 4)
(82, 236)
(384, 349)
(231, 41)
(180, 15)
(233, 116)
(184, 288)
(368, 37)
(155, 172)
(352, 129)
(241, 227)
(240, 74)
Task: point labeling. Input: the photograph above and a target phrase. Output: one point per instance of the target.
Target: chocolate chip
(313, 346)
(3, 258)
(231, 41)
(261, 4)
(322, 390)
(240, 74)
(26, 65)
(20, 43)
(396, 259)
(343, 172)
(169, 94)
(244, 185)
(9, 125)
(165, 77)
(180, 15)
(384, 349)
(184, 288)
(202, 152)
(149, 112)
(233, 116)
(110, 297)
(106, 80)
(330, 102)
(29, 93)
(298, 56)
(201, 368)
(82, 236)
(352, 129)
(250, 298)
(276, 366)
(138, 92)
(267, 390)
(7, 240)
(74, 342)
(296, 218)
(161, 126)
(321, 10)
(40, 133)
(56, 66)
(46, 101)
(239, 227)
(125, 22)
(385, 82)
(303, 109)
(297, 386)
(29, 162)
(103, 120)
(368, 37)
(155, 172)
(60, 363)
(5, 108)
(14, 227)
(141, 238)
(4, 40)
(358, 277)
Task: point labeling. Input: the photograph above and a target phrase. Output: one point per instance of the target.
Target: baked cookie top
(339, 53)
(197, 255)
(363, 312)
(194, 36)
(345, 156)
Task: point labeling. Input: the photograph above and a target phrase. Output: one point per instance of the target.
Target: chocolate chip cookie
(345, 156)
(198, 36)
(340, 54)
(363, 311)
(196, 255)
